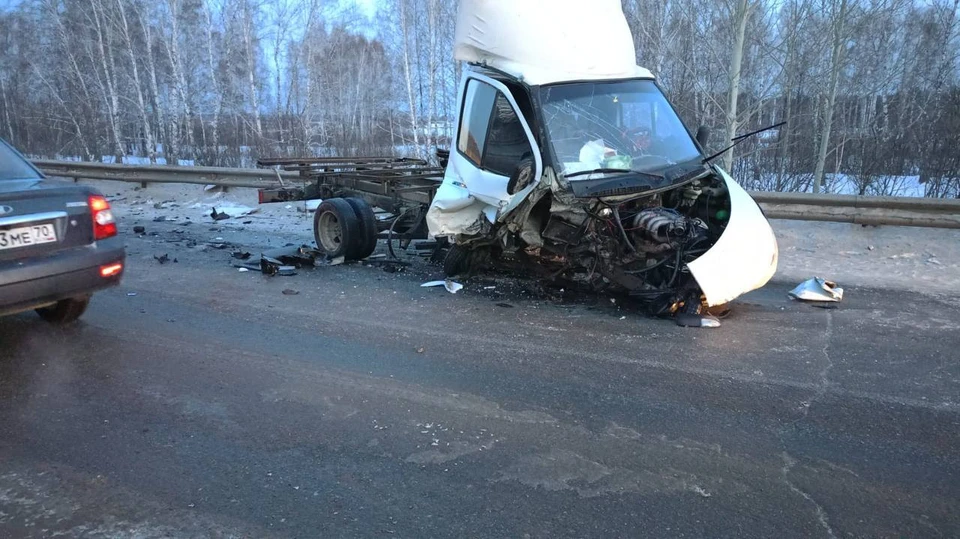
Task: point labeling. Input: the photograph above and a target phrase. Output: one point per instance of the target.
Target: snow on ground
(918, 259)
(847, 184)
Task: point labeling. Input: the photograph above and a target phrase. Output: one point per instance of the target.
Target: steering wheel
(651, 160)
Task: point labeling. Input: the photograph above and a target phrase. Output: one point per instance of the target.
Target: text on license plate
(27, 235)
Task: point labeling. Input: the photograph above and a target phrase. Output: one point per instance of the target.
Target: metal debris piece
(243, 270)
(248, 266)
(691, 320)
(139, 230)
(241, 255)
(287, 271)
(817, 289)
(218, 216)
(294, 256)
(451, 286)
(327, 261)
(290, 292)
(269, 266)
(162, 259)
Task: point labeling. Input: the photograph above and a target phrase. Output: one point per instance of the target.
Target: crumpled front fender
(744, 258)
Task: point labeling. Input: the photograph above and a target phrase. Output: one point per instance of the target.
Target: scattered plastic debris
(451, 286)
(817, 289)
(131, 294)
(241, 255)
(139, 230)
(243, 270)
(162, 259)
(327, 261)
(290, 292)
(218, 216)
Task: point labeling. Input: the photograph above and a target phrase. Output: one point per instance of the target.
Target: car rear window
(13, 166)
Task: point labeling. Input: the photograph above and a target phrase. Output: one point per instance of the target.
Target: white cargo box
(548, 41)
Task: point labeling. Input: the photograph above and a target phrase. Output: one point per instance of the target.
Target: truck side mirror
(703, 135)
(522, 175)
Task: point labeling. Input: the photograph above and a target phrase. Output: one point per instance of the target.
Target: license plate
(27, 236)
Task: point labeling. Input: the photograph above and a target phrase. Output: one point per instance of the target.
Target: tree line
(869, 89)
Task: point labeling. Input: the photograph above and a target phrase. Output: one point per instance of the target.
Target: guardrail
(146, 174)
(864, 210)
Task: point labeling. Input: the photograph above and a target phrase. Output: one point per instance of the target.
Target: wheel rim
(329, 231)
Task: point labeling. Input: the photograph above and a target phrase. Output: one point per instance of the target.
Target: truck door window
(477, 105)
(507, 142)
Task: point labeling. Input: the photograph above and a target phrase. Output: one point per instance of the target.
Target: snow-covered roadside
(906, 258)
(917, 259)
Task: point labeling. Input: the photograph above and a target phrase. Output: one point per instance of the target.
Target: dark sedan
(58, 242)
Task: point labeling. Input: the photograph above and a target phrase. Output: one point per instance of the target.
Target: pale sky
(369, 7)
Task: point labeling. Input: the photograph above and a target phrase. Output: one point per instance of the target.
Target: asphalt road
(210, 404)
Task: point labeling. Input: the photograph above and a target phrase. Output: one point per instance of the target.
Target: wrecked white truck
(567, 161)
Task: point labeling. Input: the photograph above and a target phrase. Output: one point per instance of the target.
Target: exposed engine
(637, 245)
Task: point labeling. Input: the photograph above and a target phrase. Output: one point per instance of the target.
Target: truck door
(492, 137)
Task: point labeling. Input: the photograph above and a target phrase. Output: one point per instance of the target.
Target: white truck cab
(568, 156)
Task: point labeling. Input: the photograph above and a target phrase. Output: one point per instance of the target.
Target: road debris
(290, 292)
(241, 255)
(139, 230)
(817, 289)
(218, 216)
(243, 270)
(162, 259)
(451, 286)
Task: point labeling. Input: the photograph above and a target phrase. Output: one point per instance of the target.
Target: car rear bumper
(35, 282)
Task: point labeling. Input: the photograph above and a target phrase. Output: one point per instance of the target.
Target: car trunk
(39, 217)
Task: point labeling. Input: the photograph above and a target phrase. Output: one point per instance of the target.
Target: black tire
(368, 227)
(457, 261)
(522, 175)
(336, 228)
(65, 311)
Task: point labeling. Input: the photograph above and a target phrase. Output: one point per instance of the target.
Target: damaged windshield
(612, 126)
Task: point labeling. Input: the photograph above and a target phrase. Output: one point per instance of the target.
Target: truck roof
(548, 41)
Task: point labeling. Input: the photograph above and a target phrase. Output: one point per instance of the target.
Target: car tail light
(104, 225)
(111, 270)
